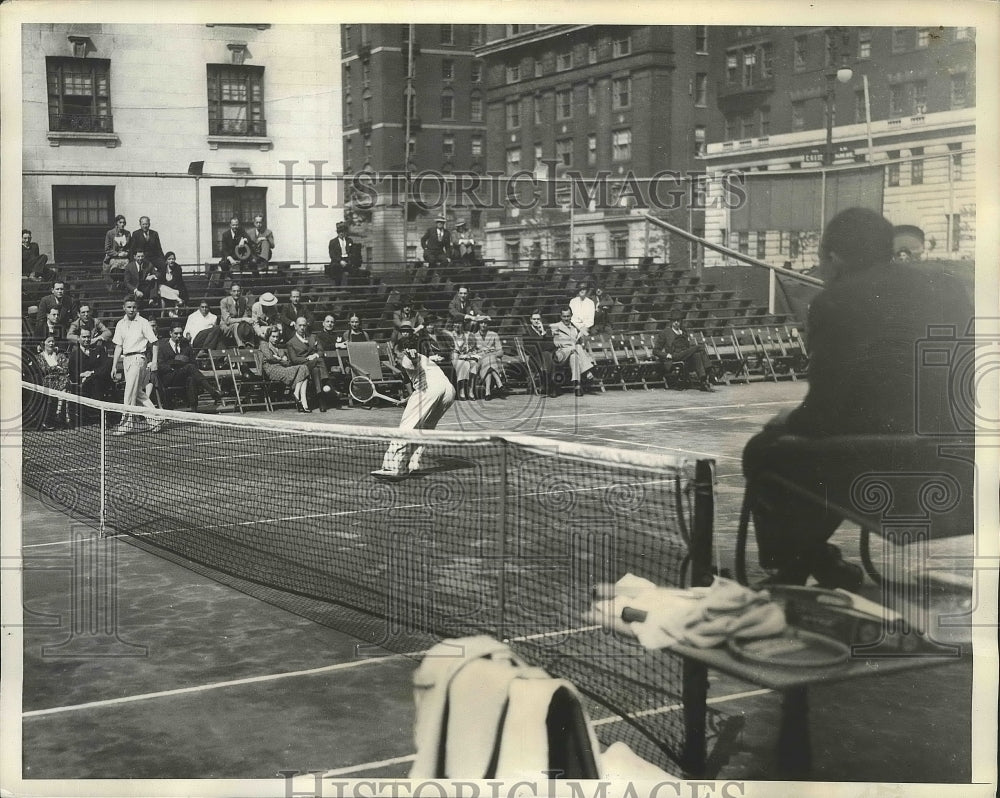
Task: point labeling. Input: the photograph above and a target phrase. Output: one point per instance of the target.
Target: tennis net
(502, 535)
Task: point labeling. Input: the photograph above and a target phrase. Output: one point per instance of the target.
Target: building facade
(901, 137)
(608, 103)
(186, 124)
(434, 66)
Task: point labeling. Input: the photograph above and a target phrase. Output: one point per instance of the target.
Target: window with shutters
(79, 95)
(236, 101)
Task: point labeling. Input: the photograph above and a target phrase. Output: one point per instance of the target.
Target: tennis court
(202, 674)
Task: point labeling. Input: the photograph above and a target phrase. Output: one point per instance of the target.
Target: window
(538, 68)
(829, 48)
(621, 145)
(536, 109)
(798, 115)
(476, 109)
(348, 168)
(447, 34)
(236, 101)
(78, 214)
(366, 106)
(448, 145)
(347, 80)
(701, 38)
(592, 150)
(958, 91)
(916, 167)
(513, 115)
(591, 99)
(621, 46)
(962, 34)
(564, 151)
(345, 35)
(859, 106)
(590, 245)
(923, 37)
(367, 144)
(749, 61)
(799, 53)
(476, 72)
(619, 246)
(513, 160)
(447, 69)
(592, 53)
(366, 73)
(732, 67)
(477, 147)
(538, 153)
(79, 95)
(475, 219)
(767, 60)
(227, 202)
(621, 88)
(564, 104)
(476, 34)
(348, 111)
(892, 170)
(746, 125)
(513, 251)
(897, 100)
(699, 141)
(701, 89)
(955, 232)
(730, 128)
(864, 43)
(564, 61)
(902, 39)
(513, 73)
(956, 162)
(764, 117)
(794, 244)
(447, 104)
(761, 251)
(920, 97)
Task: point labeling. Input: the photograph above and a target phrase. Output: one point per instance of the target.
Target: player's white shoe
(389, 475)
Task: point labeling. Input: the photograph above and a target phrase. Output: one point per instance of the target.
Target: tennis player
(432, 395)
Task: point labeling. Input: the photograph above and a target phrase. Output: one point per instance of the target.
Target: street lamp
(841, 74)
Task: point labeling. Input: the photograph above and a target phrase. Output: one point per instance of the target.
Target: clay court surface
(205, 681)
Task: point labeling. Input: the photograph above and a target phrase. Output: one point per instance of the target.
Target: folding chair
(364, 360)
(797, 348)
(534, 383)
(250, 378)
(226, 382)
(754, 366)
(515, 367)
(650, 370)
(275, 392)
(777, 353)
(606, 367)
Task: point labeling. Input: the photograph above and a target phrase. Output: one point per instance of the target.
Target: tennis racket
(363, 390)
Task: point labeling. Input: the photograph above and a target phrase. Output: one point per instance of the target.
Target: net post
(103, 455)
(502, 581)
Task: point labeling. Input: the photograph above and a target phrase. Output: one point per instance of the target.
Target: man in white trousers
(432, 395)
(133, 334)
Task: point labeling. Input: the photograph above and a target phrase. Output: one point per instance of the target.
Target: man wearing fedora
(265, 315)
(436, 243)
(341, 249)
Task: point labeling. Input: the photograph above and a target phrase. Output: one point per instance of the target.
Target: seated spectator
(602, 317)
(433, 342)
(202, 328)
(540, 347)
(354, 334)
(569, 343)
(463, 357)
(59, 298)
(279, 368)
(54, 367)
(90, 366)
(236, 251)
(673, 345)
(177, 369)
(265, 315)
(462, 308)
(29, 322)
(49, 326)
(117, 252)
(141, 281)
(864, 379)
(292, 310)
(261, 243)
(405, 320)
(305, 350)
(235, 320)
(85, 322)
(488, 367)
(32, 261)
(584, 310)
(170, 281)
(327, 335)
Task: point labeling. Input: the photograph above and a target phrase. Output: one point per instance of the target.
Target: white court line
(664, 448)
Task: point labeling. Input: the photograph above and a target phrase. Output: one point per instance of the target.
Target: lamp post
(834, 74)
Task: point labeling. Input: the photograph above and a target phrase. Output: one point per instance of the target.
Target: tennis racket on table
(363, 390)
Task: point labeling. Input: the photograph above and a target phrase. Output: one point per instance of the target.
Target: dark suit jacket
(429, 241)
(151, 246)
(136, 279)
(167, 357)
(66, 309)
(670, 343)
(98, 360)
(864, 335)
(290, 312)
(42, 331)
(298, 351)
(338, 253)
(176, 279)
(29, 254)
(229, 242)
(535, 342)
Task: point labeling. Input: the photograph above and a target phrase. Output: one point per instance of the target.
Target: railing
(81, 123)
(237, 127)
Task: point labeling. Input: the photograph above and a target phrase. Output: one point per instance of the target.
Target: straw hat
(268, 300)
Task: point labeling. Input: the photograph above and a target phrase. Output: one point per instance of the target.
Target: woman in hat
(265, 315)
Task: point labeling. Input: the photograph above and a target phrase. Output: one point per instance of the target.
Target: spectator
(602, 318)
(292, 310)
(117, 243)
(86, 322)
(133, 336)
(141, 280)
(170, 282)
(235, 237)
(405, 320)
(569, 345)
(265, 315)
(584, 310)
(202, 328)
(340, 248)
(436, 242)
(50, 327)
(177, 369)
(433, 342)
(463, 357)
(261, 244)
(305, 350)
(147, 241)
(489, 368)
(674, 345)
(57, 299)
(90, 366)
(235, 319)
(540, 348)
(465, 244)
(278, 367)
(462, 308)
(327, 335)
(864, 329)
(32, 261)
(355, 332)
(54, 366)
